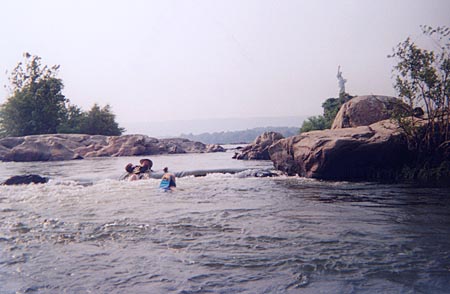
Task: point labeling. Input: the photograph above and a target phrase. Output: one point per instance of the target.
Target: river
(87, 232)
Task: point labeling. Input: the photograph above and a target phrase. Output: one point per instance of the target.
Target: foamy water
(87, 232)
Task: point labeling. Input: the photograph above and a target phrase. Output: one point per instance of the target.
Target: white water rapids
(87, 232)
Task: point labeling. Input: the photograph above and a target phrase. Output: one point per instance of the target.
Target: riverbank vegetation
(37, 105)
(422, 80)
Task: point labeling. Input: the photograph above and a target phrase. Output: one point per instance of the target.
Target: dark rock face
(341, 154)
(76, 146)
(259, 149)
(25, 180)
(366, 110)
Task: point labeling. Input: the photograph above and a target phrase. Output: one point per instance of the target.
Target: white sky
(182, 60)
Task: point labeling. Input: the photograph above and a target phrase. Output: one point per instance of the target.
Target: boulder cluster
(76, 146)
(259, 149)
(362, 143)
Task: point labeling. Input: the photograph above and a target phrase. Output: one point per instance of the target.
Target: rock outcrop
(342, 154)
(362, 145)
(366, 110)
(259, 149)
(215, 148)
(76, 146)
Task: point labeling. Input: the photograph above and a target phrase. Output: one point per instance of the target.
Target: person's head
(166, 169)
(129, 168)
(146, 162)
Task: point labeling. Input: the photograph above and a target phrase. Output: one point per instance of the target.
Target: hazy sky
(180, 60)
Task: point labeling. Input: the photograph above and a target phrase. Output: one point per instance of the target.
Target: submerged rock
(25, 179)
(258, 173)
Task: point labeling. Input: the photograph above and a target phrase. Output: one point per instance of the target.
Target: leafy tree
(73, 119)
(314, 123)
(330, 107)
(100, 121)
(423, 80)
(37, 104)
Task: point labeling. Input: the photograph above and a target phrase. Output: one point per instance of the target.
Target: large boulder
(259, 149)
(181, 145)
(37, 148)
(44, 147)
(29, 151)
(342, 154)
(127, 145)
(366, 110)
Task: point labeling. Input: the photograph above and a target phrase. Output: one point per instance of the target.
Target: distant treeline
(238, 137)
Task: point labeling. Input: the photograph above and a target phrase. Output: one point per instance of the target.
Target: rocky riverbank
(362, 145)
(76, 146)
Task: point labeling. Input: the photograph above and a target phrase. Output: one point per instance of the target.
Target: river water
(87, 232)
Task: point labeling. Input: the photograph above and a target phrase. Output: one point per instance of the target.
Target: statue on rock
(341, 82)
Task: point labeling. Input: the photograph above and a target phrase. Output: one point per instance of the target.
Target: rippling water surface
(87, 232)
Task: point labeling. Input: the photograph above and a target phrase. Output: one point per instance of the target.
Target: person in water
(168, 181)
(146, 165)
(141, 171)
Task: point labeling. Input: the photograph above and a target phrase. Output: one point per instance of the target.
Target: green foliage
(425, 174)
(330, 107)
(100, 121)
(73, 119)
(314, 123)
(37, 105)
(96, 121)
(423, 80)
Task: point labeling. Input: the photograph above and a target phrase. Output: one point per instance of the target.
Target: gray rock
(341, 154)
(210, 148)
(259, 149)
(366, 110)
(78, 146)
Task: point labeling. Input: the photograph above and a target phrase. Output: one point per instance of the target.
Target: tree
(73, 119)
(330, 107)
(100, 121)
(314, 123)
(37, 104)
(422, 79)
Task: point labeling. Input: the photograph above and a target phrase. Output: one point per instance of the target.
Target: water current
(87, 232)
